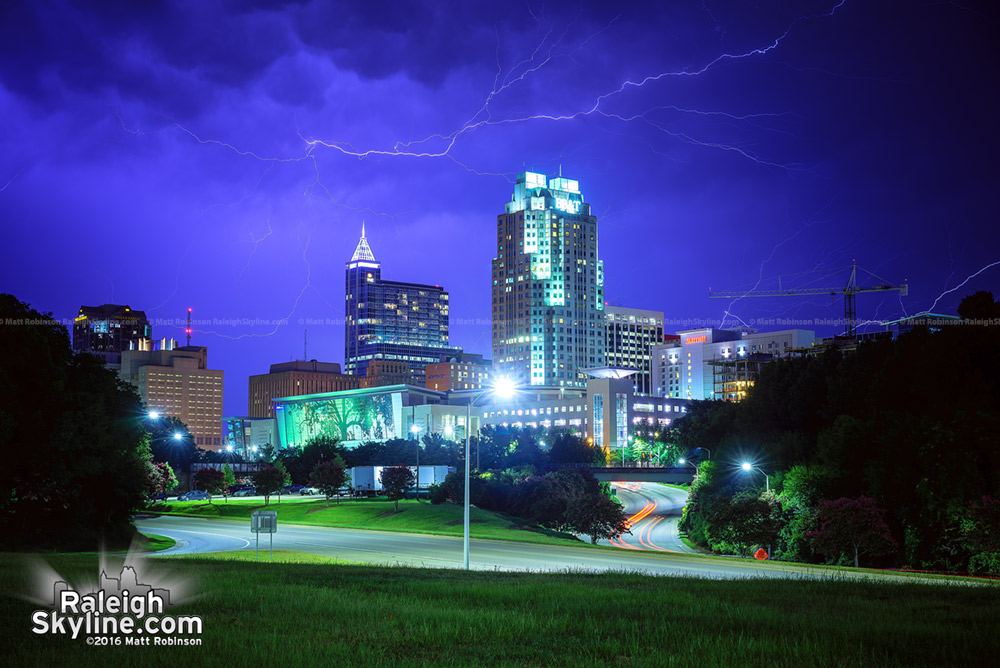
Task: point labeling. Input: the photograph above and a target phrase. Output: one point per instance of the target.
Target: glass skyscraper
(390, 320)
(548, 285)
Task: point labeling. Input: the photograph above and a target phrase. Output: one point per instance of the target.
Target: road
(653, 510)
(195, 535)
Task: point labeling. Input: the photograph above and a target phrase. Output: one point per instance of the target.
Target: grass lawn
(378, 514)
(151, 542)
(322, 613)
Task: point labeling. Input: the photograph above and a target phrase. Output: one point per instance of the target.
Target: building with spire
(390, 320)
(548, 286)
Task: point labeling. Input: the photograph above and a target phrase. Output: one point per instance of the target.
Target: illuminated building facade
(548, 286)
(371, 414)
(459, 372)
(298, 377)
(176, 382)
(607, 410)
(389, 320)
(630, 334)
(107, 330)
(720, 363)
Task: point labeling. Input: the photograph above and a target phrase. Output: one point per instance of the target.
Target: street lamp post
(503, 388)
(747, 466)
(684, 461)
(415, 430)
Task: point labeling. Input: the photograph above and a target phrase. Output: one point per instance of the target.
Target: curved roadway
(653, 511)
(194, 535)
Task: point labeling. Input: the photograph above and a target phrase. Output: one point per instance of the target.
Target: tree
(852, 526)
(329, 476)
(228, 480)
(209, 480)
(74, 436)
(979, 306)
(571, 449)
(980, 531)
(597, 517)
(396, 480)
(746, 520)
(268, 480)
(286, 479)
(160, 478)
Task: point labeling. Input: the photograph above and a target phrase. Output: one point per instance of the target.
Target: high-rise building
(630, 334)
(548, 285)
(176, 382)
(109, 329)
(389, 320)
(720, 363)
(293, 378)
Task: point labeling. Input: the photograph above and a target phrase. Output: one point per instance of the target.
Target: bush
(437, 494)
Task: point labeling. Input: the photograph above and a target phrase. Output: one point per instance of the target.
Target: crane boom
(850, 291)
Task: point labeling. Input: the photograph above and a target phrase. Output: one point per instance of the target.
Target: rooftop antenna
(305, 334)
(188, 330)
(560, 170)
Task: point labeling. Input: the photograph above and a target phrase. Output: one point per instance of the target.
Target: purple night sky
(223, 155)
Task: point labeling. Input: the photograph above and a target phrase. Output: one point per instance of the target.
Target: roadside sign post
(264, 521)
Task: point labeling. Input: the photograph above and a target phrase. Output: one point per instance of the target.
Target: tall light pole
(415, 430)
(747, 466)
(503, 388)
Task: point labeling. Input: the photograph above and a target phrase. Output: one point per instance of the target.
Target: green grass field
(377, 514)
(151, 542)
(322, 613)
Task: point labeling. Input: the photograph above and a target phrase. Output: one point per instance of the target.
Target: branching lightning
(969, 278)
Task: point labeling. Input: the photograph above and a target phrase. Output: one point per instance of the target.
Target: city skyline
(161, 167)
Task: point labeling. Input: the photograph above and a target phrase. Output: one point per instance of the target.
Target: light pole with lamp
(504, 389)
(747, 467)
(415, 430)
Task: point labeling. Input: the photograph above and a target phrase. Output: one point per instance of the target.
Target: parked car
(295, 489)
(309, 490)
(245, 491)
(196, 495)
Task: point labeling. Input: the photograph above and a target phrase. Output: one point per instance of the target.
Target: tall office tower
(548, 285)
(630, 334)
(109, 329)
(388, 320)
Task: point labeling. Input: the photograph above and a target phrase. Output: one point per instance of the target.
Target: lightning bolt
(970, 277)
(10, 182)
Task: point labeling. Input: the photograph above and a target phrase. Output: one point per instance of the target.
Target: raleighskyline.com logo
(121, 612)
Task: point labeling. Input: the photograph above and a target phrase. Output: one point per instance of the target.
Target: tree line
(892, 447)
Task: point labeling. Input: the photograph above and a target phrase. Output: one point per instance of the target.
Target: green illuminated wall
(351, 418)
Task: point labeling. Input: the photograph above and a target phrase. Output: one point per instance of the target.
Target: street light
(154, 415)
(747, 467)
(503, 388)
(415, 430)
(684, 461)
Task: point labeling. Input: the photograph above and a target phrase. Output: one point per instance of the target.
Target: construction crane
(850, 292)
